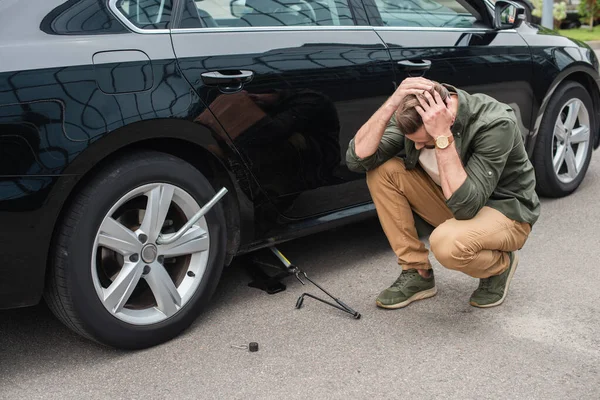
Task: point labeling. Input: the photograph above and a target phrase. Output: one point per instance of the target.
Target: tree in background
(559, 11)
(590, 10)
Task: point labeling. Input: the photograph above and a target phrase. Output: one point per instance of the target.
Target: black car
(121, 119)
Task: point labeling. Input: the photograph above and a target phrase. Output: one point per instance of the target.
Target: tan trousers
(478, 247)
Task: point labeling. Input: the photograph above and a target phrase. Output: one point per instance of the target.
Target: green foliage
(537, 8)
(589, 8)
(559, 10)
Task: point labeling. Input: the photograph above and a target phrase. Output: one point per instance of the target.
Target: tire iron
(171, 238)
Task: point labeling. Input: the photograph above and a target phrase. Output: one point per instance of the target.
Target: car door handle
(227, 77)
(420, 65)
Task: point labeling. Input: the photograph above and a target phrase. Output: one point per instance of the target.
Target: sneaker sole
(513, 267)
(425, 294)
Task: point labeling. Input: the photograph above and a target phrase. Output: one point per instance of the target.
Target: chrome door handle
(420, 65)
(227, 77)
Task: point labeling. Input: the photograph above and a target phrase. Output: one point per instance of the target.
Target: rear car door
(290, 82)
(452, 41)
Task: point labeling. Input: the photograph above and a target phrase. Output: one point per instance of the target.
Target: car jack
(272, 284)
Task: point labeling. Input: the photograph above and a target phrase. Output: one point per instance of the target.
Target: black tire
(70, 292)
(548, 184)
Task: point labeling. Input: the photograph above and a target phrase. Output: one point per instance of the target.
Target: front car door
(290, 82)
(452, 41)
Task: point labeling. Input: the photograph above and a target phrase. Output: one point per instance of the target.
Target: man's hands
(437, 117)
(410, 86)
(367, 139)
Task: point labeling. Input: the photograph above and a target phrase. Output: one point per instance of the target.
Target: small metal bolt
(142, 238)
(161, 259)
(146, 270)
(191, 274)
(134, 257)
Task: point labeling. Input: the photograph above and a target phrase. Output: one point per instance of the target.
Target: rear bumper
(28, 213)
(22, 260)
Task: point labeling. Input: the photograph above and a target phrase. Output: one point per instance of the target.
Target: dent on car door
(290, 82)
(452, 41)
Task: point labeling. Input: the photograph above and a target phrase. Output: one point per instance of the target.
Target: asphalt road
(543, 343)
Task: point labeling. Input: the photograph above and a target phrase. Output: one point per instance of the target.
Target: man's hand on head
(436, 115)
(410, 86)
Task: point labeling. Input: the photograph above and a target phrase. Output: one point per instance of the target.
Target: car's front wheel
(564, 145)
(111, 280)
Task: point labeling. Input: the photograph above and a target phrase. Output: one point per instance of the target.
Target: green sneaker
(493, 290)
(409, 286)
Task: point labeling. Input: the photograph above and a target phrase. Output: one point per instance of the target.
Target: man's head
(410, 122)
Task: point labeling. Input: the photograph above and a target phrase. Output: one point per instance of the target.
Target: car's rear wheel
(111, 281)
(564, 145)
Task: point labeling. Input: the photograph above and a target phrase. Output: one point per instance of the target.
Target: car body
(87, 82)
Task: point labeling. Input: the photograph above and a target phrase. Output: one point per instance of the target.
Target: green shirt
(489, 143)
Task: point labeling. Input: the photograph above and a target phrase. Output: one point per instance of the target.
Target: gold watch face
(442, 142)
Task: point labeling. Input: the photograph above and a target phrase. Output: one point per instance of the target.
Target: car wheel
(564, 145)
(110, 280)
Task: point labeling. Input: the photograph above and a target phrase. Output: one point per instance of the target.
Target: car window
(147, 14)
(81, 17)
(244, 13)
(425, 13)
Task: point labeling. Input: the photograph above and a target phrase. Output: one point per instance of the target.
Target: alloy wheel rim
(570, 140)
(137, 280)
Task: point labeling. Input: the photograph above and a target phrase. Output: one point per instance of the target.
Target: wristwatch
(441, 142)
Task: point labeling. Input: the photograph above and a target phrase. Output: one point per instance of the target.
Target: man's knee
(450, 247)
(385, 172)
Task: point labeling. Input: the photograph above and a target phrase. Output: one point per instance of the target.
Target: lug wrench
(297, 272)
(172, 237)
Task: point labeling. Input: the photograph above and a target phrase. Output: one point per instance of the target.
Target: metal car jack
(291, 269)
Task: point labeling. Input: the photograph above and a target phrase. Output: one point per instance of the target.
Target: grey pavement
(542, 343)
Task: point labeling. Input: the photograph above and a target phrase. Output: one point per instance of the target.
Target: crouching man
(464, 169)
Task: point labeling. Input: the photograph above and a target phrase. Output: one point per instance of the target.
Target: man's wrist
(444, 142)
(448, 134)
(392, 104)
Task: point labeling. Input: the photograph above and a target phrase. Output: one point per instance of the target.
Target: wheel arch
(191, 142)
(589, 79)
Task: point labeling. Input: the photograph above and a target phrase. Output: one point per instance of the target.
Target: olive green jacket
(489, 142)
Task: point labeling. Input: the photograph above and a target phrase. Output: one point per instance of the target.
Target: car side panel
(345, 70)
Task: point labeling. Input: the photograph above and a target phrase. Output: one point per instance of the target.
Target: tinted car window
(147, 14)
(243, 13)
(425, 13)
(77, 17)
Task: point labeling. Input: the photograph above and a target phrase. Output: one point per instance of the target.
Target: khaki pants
(478, 247)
